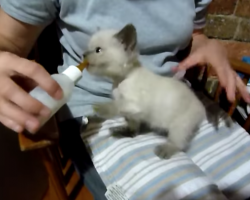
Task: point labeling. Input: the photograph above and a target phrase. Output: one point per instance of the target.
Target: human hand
(18, 110)
(213, 53)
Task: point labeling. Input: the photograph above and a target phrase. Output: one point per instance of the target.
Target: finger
(231, 85)
(227, 81)
(223, 70)
(222, 76)
(25, 83)
(21, 98)
(19, 116)
(17, 95)
(242, 89)
(189, 62)
(11, 124)
(37, 73)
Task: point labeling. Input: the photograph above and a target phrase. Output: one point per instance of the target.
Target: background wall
(229, 21)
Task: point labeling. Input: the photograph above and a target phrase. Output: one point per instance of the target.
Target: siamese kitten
(140, 95)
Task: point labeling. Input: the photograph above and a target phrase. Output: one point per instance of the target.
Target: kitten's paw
(165, 151)
(101, 110)
(161, 132)
(122, 131)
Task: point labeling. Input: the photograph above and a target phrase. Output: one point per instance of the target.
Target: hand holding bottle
(18, 110)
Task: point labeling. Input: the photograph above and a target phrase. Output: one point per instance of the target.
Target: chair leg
(247, 124)
(217, 93)
(55, 173)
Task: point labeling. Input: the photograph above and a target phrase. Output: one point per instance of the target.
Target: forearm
(17, 37)
(10, 46)
(20, 47)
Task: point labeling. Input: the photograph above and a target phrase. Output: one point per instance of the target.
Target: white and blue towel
(216, 166)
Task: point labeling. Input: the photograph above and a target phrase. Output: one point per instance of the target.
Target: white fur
(113, 60)
(142, 96)
(163, 103)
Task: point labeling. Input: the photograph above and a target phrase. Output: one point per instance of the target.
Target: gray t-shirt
(164, 27)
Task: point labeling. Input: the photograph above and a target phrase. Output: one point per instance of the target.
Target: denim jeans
(74, 148)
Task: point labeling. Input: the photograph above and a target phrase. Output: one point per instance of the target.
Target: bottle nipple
(83, 65)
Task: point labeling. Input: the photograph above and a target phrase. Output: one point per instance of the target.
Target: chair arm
(240, 66)
(45, 137)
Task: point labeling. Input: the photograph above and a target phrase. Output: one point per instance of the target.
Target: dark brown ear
(128, 37)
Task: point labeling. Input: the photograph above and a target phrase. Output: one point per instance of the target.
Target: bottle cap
(73, 73)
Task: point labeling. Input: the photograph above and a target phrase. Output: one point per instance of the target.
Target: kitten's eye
(98, 50)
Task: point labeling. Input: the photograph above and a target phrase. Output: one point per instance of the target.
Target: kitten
(140, 95)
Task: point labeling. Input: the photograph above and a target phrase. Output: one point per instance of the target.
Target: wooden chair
(49, 154)
(238, 66)
(60, 168)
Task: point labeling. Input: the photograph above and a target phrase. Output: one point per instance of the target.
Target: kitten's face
(110, 52)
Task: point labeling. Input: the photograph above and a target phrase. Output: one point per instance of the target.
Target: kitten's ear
(128, 37)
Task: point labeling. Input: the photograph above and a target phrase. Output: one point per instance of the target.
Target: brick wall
(229, 21)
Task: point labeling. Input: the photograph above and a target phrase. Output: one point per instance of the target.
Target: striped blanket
(216, 166)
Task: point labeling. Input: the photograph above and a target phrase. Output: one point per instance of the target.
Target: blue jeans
(74, 148)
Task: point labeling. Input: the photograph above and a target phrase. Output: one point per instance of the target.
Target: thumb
(189, 62)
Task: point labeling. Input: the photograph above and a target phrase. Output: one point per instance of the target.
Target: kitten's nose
(84, 55)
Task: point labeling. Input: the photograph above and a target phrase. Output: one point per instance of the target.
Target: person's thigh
(74, 148)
